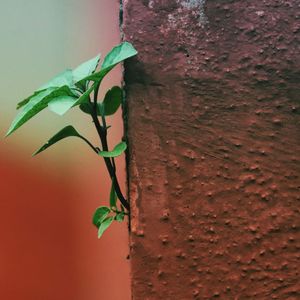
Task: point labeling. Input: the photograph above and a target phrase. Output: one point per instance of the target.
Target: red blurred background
(49, 248)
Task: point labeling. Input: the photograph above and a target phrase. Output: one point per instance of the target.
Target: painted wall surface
(214, 137)
(49, 248)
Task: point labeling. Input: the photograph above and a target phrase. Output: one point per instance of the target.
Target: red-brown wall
(213, 126)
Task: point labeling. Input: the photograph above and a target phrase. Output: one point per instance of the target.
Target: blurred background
(49, 247)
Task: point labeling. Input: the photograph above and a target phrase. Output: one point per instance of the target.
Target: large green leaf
(65, 132)
(25, 101)
(104, 225)
(68, 78)
(116, 55)
(112, 100)
(62, 104)
(37, 104)
(100, 214)
(85, 72)
(118, 150)
(64, 78)
(85, 69)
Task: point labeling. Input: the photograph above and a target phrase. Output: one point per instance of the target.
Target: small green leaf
(65, 132)
(84, 70)
(113, 196)
(64, 78)
(104, 225)
(87, 108)
(100, 214)
(112, 100)
(116, 55)
(117, 151)
(37, 104)
(120, 216)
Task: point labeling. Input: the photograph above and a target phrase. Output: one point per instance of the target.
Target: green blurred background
(49, 248)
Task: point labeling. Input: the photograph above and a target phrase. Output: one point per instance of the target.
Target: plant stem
(113, 163)
(102, 132)
(119, 211)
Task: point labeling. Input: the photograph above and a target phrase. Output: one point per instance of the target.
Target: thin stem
(102, 132)
(104, 122)
(119, 211)
(77, 90)
(108, 162)
(113, 163)
(96, 90)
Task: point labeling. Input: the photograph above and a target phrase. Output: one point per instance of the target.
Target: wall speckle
(199, 4)
(151, 4)
(192, 3)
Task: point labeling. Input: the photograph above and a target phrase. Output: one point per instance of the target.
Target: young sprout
(79, 88)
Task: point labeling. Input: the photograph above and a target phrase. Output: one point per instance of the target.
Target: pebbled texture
(214, 140)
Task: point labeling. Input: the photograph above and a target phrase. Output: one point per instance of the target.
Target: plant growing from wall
(79, 88)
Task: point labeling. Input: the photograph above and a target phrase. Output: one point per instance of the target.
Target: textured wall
(213, 128)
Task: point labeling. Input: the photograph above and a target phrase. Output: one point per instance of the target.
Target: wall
(213, 127)
(49, 247)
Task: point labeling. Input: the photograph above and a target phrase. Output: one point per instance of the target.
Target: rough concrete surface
(214, 140)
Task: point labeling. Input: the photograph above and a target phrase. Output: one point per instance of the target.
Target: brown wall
(213, 128)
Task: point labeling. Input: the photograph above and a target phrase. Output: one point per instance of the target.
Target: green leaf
(118, 150)
(37, 104)
(84, 98)
(120, 216)
(84, 70)
(116, 55)
(64, 78)
(87, 108)
(25, 101)
(104, 225)
(112, 100)
(113, 196)
(100, 214)
(65, 132)
(62, 104)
